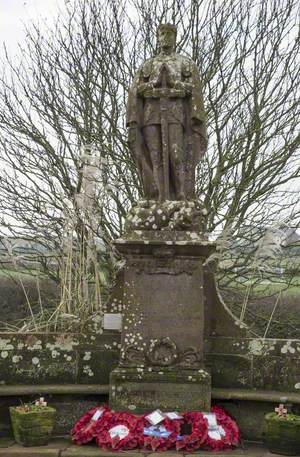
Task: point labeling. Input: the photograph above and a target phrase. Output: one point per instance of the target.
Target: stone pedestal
(161, 359)
(146, 389)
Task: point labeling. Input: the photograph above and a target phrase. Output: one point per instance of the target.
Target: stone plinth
(161, 360)
(139, 390)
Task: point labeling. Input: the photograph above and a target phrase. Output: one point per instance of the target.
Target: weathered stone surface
(163, 319)
(163, 297)
(18, 451)
(233, 452)
(95, 365)
(51, 352)
(272, 364)
(59, 443)
(6, 442)
(57, 358)
(93, 451)
(249, 416)
(25, 367)
(219, 320)
(64, 448)
(170, 220)
(22, 358)
(81, 451)
(276, 373)
(223, 394)
(141, 390)
(263, 347)
(232, 370)
(166, 454)
(70, 408)
(114, 303)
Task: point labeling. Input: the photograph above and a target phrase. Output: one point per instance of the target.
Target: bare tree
(68, 87)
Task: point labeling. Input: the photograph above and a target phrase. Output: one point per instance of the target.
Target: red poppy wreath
(197, 434)
(227, 433)
(187, 432)
(125, 431)
(90, 423)
(162, 436)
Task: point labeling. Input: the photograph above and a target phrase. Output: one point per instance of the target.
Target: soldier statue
(166, 121)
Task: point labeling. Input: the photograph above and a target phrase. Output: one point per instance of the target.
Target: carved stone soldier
(166, 121)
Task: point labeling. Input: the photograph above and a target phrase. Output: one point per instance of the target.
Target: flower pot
(33, 427)
(283, 434)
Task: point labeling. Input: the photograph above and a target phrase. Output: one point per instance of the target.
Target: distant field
(265, 286)
(260, 302)
(6, 272)
(13, 304)
(265, 297)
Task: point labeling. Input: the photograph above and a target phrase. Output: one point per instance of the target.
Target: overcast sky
(15, 13)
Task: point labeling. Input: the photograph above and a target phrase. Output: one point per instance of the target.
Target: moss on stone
(283, 434)
(34, 427)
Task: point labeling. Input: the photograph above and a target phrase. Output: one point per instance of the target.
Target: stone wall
(57, 358)
(249, 374)
(235, 362)
(253, 363)
(69, 409)
(31, 364)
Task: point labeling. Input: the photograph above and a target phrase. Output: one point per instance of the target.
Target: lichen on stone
(182, 216)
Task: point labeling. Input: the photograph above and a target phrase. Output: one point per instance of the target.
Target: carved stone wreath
(190, 358)
(163, 352)
(133, 356)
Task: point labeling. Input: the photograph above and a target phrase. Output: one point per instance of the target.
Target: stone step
(64, 448)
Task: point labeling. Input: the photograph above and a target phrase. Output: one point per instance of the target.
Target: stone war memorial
(162, 357)
(170, 367)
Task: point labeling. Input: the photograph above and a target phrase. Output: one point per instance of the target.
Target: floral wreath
(125, 431)
(156, 443)
(232, 432)
(134, 438)
(85, 429)
(198, 433)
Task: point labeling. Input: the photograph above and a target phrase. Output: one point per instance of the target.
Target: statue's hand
(187, 87)
(143, 87)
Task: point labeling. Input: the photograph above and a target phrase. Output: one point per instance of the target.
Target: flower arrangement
(32, 423)
(37, 405)
(198, 432)
(283, 431)
(157, 431)
(123, 432)
(162, 436)
(91, 424)
(228, 429)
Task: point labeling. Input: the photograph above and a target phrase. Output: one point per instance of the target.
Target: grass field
(261, 295)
